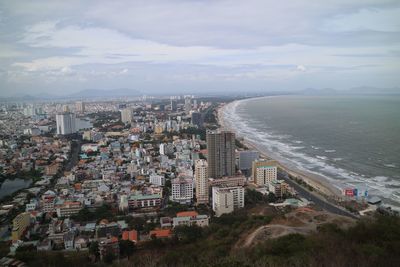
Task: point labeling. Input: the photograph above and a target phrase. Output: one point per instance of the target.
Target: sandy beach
(318, 182)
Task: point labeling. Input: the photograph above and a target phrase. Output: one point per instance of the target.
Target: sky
(197, 46)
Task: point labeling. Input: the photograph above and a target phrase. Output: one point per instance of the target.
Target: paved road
(318, 200)
(75, 150)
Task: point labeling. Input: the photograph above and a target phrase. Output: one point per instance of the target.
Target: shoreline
(321, 184)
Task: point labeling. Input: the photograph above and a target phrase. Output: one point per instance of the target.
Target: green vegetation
(195, 131)
(371, 242)
(254, 197)
(103, 212)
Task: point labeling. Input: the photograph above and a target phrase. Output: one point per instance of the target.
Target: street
(318, 200)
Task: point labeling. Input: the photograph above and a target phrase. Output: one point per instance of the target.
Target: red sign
(349, 192)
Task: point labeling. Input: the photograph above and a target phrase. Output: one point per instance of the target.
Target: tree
(109, 257)
(126, 248)
(94, 249)
(271, 198)
(188, 234)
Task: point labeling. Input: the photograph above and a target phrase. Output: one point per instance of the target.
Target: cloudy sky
(59, 47)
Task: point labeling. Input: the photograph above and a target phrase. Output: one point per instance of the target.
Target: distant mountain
(323, 91)
(105, 93)
(369, 90)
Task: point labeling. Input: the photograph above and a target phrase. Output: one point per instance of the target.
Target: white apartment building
(201, 177)
(68, 208)
(182, 190)
(227, 199)
(157, 179)
(126, 115)
(66, 123)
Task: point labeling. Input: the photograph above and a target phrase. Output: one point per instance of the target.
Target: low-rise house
(130, 235)
(165, 222)
(161, 233)
(139, 200)
(107, 229)
(190, 218)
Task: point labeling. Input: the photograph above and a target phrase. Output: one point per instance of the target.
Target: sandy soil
(301, 221)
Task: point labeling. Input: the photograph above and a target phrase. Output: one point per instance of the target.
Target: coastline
(318, 182)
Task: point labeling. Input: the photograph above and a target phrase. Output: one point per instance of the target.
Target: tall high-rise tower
(126, 115)
(220, 154)
(80, 107)
(65, 123)
(201, 177)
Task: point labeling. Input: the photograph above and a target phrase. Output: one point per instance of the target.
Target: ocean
(353, 141)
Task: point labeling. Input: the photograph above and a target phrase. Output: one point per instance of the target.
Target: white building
(227, 199)
(157, 179)
(126, 115)
(182, 190)
(201, 177)
(123, 203)
(66, 123)
(190, 218)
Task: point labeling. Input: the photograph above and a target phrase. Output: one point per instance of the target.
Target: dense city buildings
(220, 154)
(114, 162)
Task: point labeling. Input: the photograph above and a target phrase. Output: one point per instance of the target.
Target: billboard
(349, 192)
(355, 192)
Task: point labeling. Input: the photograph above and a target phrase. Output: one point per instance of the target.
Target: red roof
(187, 214)
(159, 233)
(130, 235)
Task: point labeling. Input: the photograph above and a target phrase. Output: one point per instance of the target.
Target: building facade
(126, 115)
(66, 123)
(182, 190)
(20, 223)
(264, 172)
(227, 199)
(246, 159)
(220, 154)
(201, 178)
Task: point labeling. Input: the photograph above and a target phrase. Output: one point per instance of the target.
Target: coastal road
(318, 200)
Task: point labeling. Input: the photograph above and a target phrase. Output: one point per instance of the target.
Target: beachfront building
(279, 188)
(220, 154)
(201, 177)
(227, 199)
(246, 159)
(264, 172)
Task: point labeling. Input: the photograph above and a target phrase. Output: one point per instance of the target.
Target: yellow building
(264, 172)
(20, 223)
